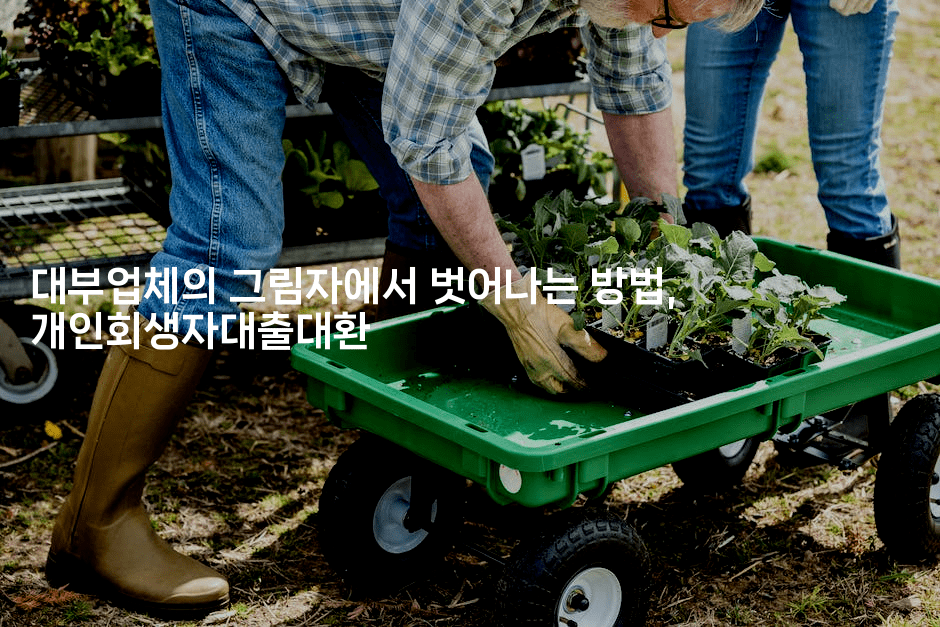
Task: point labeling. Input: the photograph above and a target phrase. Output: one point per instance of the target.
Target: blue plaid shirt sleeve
(629, 69)
(439, 73)
(437, 61)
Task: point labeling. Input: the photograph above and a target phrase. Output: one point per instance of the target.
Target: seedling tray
(719, 370)
(444, 385)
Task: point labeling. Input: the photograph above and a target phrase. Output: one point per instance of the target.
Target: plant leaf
(356, 176)
(608, 246)
(675, 234)
(763, 263)
(829, 294)
(333, 200)
(737, 256)
(629, 230)
(783, 286)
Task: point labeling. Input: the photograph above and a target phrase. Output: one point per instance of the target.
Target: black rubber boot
(848, 436)
(884, 250)
(724, 219)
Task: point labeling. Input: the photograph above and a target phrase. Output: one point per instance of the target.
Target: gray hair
(741, 15)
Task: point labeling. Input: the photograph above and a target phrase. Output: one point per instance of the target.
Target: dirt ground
(239, 486)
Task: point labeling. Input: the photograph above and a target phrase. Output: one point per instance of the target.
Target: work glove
(851, 7)
(538, 331)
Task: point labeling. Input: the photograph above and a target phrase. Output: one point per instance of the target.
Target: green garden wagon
(437, 410)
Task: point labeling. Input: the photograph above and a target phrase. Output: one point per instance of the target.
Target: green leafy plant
(9, 68)
(115, 46)
(715, 292)
(112, 35)
(327, 179)
(511, 127)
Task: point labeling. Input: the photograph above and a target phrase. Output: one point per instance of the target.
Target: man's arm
(644, 147)
(537, 329)
(462, 214)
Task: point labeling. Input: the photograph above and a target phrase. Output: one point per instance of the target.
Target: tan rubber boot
(103, 542)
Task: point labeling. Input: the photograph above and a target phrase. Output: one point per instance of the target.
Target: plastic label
(533, 162)
(657, 331)
(741, 329)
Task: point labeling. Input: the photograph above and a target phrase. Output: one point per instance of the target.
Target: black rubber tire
(366, 480)
(718, 470)
(51, 392)
(537, 581)
(907, 522)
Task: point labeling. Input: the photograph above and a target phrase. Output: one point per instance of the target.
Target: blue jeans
(223, 114)
(845, 61)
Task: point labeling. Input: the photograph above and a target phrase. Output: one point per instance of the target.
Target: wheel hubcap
(21, 394)
(730, 450)
(935, 491)
(591, 599)
(388, 523)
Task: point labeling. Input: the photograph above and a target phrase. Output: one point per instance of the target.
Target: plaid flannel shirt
(437, 62)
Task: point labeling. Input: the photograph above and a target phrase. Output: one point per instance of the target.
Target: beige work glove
(851, 7)
(538, 331)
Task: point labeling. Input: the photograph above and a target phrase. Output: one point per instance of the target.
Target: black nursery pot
(502, 194)
(10, 101)
(134, 93)
(737, 370)
(682, 381)
(659, 382)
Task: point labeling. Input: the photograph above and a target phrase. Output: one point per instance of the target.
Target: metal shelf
(48, 112)
(98, 225)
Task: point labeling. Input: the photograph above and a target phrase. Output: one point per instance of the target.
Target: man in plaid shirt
(405, 78)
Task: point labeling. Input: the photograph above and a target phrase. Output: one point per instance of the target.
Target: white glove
(851, 7)
(538, 331)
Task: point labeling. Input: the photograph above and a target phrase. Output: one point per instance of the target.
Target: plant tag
(611, 317)
(657, 331)
(533, 162)
(741, 329)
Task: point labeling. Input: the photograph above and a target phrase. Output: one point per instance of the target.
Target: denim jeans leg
(223, 117)
(725, 76)
(356, 101)
(846, 61)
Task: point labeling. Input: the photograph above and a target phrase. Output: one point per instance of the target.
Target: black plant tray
(738, 370)
(134, 93)
(631, 362)
(607, 381)
(687, 380)
(10, 101)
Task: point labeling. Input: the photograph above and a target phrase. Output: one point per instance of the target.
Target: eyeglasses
(667, 21)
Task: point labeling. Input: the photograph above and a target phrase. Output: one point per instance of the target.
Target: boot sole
(65, 571)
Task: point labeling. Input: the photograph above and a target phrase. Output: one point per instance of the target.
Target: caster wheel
(368, 526)
(718, 470)
(581, 572)
(43, 394)
(907, 486)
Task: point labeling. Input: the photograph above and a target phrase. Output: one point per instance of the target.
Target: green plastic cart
(437, 411)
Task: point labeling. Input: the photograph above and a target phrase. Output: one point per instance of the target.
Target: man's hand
(538, 331)
(851, 7)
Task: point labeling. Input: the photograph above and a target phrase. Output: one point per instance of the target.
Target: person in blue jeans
(405, 78)
(846, 48)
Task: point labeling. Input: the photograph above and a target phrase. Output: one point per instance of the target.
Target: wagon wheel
(907, 486)
(720, 469)
(43, 393)
(581, 571)
(371, 530)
